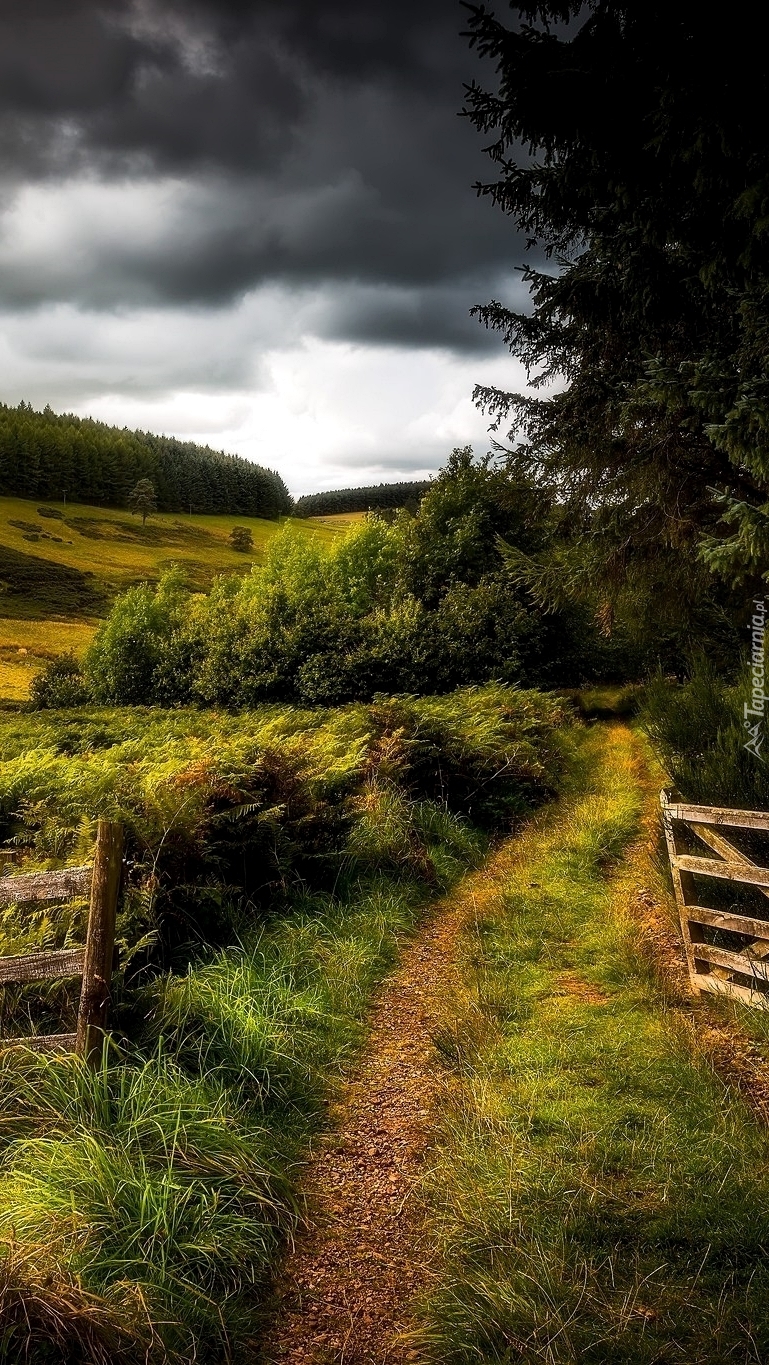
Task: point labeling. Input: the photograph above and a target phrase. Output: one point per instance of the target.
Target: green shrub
(141, 630)
(241, 538)
(59, 685)
(699, 730)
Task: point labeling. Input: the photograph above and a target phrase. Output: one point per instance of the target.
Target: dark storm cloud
(209, 82)
(307, 141)
(424, 316)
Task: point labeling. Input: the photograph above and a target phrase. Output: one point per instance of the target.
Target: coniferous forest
(381, 497)
(51, 455)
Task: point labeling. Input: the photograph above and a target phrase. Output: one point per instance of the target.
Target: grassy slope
(57, 580)
(599, 1196)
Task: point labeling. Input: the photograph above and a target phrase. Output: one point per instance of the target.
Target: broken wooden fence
(742, 969)
(94, 962)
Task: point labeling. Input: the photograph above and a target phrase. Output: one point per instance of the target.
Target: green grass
(66, 572)
(278, 857)
(608, 702)
(150, 1189)
(598, 1195)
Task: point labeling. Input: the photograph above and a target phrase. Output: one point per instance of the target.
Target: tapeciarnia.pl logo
(754, 712)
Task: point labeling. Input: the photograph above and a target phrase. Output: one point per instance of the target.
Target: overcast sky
(251, 223)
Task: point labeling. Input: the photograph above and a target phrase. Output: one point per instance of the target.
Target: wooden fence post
(683, 886)
(100, 940)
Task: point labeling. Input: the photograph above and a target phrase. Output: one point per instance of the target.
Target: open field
(337, 521)
(58, 575)
(26, 646)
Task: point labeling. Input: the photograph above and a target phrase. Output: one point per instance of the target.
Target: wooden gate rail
(712, 968)
(94, 962)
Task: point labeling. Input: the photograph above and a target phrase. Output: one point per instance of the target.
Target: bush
(52, 512)
(698, 729)
(413, 604)
(241, 539)
(59, 685)
(135, 640)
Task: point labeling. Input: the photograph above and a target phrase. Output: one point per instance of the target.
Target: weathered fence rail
(94, 962)
(740, 970)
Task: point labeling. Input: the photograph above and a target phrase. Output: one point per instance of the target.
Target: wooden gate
(742, 969)
(94, 962)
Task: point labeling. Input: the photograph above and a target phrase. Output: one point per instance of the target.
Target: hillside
(60, 574)
(51, 455)
(379, 497)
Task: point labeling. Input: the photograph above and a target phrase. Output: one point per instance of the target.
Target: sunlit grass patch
(114, 545)
(26, 646)
(337, 520)
(597, 1195)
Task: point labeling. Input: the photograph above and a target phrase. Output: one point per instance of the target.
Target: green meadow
(60, 575)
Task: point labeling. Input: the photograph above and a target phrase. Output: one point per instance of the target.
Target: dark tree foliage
(469, 507)
(382, 497)
(629, 144)
(50, 455)
(241, 539)
(142, 499)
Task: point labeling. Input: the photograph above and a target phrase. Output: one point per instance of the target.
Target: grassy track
(59, 575)
(598, 1195)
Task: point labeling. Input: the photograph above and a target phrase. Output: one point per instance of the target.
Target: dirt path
(345, 1291)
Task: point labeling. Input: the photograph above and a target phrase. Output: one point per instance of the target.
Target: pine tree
(142, 499)
(642, 192)
(45, 453)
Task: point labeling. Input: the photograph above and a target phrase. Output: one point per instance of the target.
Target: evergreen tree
(142, 499)
(643, 194)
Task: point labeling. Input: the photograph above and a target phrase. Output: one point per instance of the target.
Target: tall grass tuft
(698, 729)
(149, 1187)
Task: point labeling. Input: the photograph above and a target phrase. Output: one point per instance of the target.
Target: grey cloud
(429, 316)
(69, 356)
(204, 244)
(180, 83)
(311, 143)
